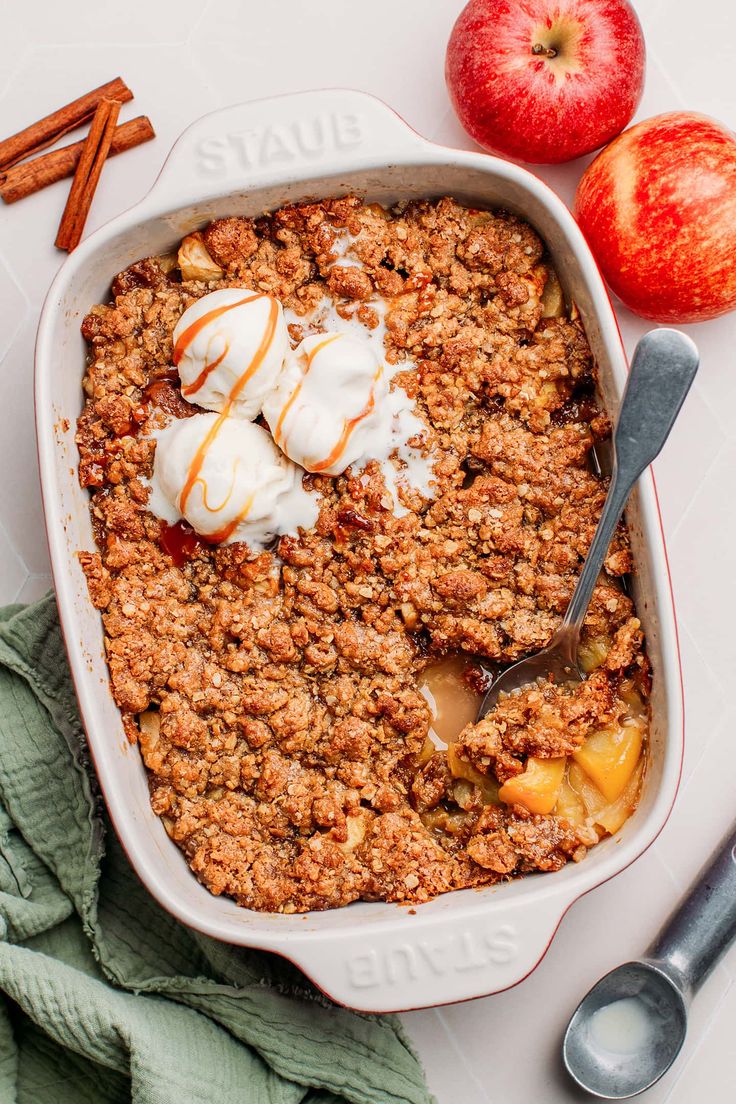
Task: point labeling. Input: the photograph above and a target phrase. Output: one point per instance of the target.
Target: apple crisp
(279, 697)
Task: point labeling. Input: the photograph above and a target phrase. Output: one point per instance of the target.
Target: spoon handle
(662, 370)
(703, 926)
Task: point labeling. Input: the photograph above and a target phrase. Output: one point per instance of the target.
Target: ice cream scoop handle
(704, 925)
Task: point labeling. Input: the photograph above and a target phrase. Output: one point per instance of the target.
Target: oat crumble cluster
(274, 695)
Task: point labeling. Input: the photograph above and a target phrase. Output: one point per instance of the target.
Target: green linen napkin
(106, 997)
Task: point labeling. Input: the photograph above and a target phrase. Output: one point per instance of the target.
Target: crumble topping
(274, 694)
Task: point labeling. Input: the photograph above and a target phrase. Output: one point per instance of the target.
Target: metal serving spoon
(663, 368)
(626, 1033)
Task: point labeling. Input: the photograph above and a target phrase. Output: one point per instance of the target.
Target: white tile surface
(20, 501)
(185, 57)
(13, 310)
(34, 588)
(77, 22)
(13, 571)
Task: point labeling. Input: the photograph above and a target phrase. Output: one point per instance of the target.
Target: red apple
(658, 207)
(545, 80)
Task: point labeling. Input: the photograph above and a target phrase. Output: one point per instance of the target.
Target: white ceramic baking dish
(245, 160)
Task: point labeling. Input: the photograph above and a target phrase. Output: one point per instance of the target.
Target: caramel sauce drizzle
(228, 496)
(287, 407)
(185, 339)
(179, 541)
(198, 460)
(193, 475)
(348, 427)
(227, 530)
(202, 377)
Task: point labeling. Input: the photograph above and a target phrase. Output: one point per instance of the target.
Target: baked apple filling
(593, 783)
(340, 467)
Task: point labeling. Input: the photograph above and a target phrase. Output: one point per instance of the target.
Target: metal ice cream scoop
(628, 1030)
(662, 370)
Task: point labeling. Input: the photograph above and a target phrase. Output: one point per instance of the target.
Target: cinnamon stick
(31, 176)
(91, 161)
(38, 136)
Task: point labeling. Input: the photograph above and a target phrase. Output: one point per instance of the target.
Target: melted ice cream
(226, 477)
(229, 347)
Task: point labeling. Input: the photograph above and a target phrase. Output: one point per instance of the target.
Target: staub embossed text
(279, 143)
(447, 954)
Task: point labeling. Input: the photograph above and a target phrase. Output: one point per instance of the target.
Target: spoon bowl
(555, 663)
(626, 1032)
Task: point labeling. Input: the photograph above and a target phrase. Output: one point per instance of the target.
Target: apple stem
(544, 51)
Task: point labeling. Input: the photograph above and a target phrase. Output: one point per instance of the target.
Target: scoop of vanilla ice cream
(229, 347)
(324, 409)
(226, 477)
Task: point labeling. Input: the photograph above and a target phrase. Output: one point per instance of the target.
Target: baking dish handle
(433, 958)
(283, 138)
